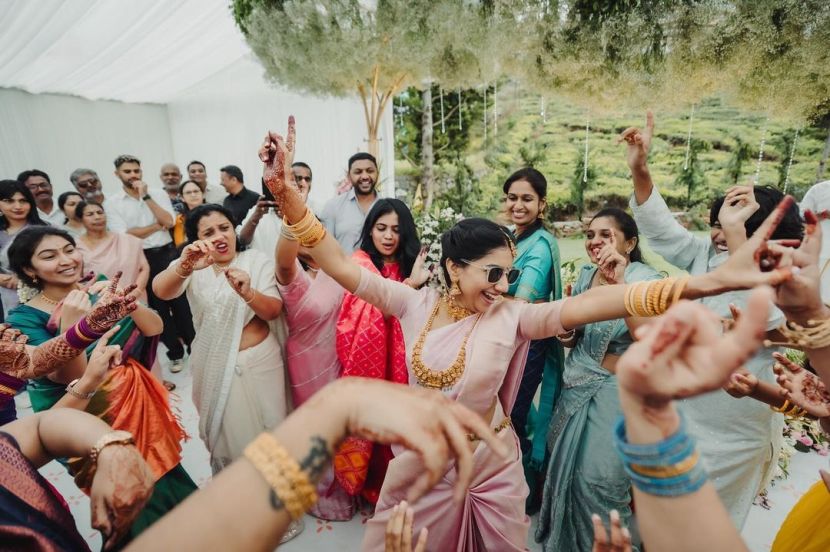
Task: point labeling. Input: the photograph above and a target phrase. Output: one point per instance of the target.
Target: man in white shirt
(817, 199)
(41, 187)
(148, 214)
(197, 173)
(343, 215)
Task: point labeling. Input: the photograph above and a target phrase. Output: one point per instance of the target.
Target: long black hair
(191, 222)
(7, 190)
(64, 197)
(22, 249)
(539, 184)
(409, 246)
(627, 226)
(768, 198)
(472, 239)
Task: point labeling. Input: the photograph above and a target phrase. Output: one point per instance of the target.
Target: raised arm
(278, 154)
(241, 511)
(654, 219)
(285, 257)
(679, 355)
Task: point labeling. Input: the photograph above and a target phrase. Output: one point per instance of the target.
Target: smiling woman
(18, 210)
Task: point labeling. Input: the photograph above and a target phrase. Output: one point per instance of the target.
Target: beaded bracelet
(670, 467)
(282, 473)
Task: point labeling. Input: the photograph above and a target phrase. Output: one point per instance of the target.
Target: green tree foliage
(691, 176)
(741, 153)
(580, 182)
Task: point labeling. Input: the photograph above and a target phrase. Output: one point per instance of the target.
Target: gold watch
(117, 437)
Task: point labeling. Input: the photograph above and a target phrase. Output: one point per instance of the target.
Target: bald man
(171, 178)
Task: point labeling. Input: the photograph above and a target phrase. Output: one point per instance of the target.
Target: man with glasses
(88, 184)
(197, 172)
(41, 187)
(147, 213)
(261, 228)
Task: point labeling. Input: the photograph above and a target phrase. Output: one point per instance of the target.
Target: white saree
(238, 394)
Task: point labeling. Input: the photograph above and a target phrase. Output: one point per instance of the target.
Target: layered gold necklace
(432, 378)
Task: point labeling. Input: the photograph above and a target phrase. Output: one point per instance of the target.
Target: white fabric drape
(186, 55)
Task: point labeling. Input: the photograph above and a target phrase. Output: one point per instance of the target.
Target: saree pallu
(32, 515)
(131, 399)
(118, 253)
(369, 345)
(805, 529)
(538, 257)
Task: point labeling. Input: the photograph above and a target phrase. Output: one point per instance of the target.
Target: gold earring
(454, 289)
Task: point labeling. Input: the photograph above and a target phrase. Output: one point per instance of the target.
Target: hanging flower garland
(761, 151)
(790, 162)
(689, 139)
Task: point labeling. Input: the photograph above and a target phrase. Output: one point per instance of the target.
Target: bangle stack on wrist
(815, 334)
(287, 234)
(670, 467)
(309, 231)
(80, 335)
(282, 473)
(651, 298)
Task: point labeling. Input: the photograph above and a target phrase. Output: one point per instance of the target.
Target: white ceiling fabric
(127, 50)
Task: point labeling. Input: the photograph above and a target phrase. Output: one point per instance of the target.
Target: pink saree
(121, 252)
(492, 515)
(369, 345)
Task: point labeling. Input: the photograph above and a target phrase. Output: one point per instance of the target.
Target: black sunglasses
(495, 273)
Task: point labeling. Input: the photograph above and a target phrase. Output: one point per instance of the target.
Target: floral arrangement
(569, 273)
(430, 227)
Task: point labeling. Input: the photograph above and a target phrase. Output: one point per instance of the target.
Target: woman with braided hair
(469, 344)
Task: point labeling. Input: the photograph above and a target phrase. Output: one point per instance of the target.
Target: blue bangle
(669, 452)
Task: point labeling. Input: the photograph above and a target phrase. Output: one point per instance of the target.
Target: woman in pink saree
(470, 344)
(108, 253)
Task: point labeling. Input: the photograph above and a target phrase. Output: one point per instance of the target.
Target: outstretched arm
(242, 512)
(285, 257)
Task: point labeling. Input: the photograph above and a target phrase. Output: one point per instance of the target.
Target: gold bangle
(664, 472)
(781, 408)
(653, 297)
(814, 335)
(282, 473)
(665, 293)
(679, 287)
(641, 299)
(179, 274)
(249, 301)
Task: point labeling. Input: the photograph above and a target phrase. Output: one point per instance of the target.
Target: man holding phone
(261, 228)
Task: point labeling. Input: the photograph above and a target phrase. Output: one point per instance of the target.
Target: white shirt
(215, 194)
(817, 199)
(125, 212)
(343, 217)
(266, 233)
(55, 218)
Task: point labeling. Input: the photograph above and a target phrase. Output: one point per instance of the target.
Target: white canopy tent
(82, 81)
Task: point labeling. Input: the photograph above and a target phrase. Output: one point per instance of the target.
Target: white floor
(759, 530)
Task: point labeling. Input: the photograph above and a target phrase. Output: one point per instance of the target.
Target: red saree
(369, 345)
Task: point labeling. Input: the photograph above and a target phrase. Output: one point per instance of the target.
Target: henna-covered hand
(802, 387)
(196, 256)
(122, 485)
(742, 383)
(112, 306)
(620, 539)
(277, 155)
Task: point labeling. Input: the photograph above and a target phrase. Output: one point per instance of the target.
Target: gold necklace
(456, 311)
(219, 267)
(431, 378)
(47, 299)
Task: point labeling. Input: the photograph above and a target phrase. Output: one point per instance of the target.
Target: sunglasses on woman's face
(495, 273)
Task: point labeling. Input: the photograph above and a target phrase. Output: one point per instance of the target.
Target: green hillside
(555, 145)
